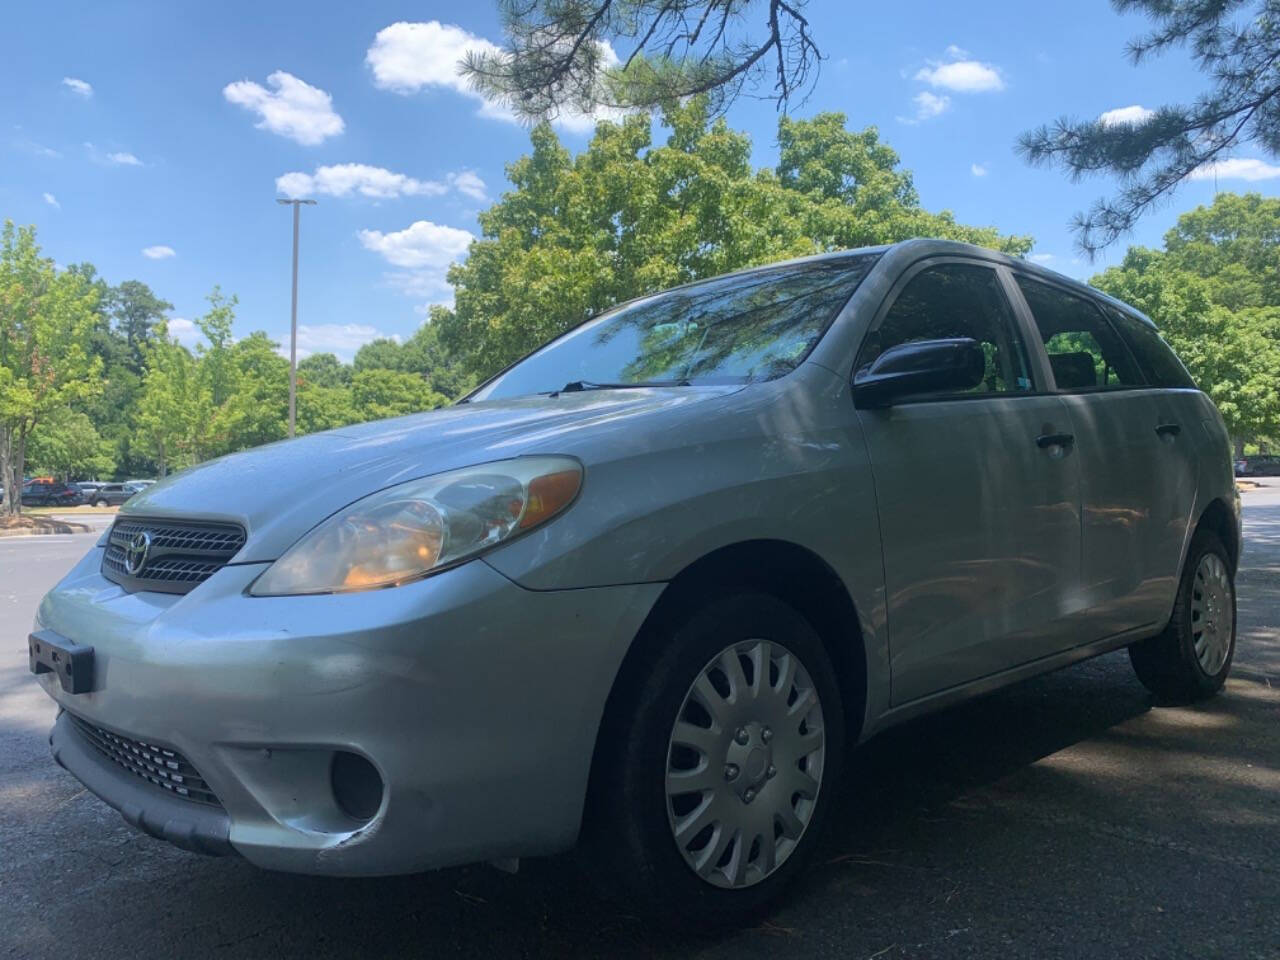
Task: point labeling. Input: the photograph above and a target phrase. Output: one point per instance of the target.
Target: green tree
(560, 54)
(257, 410)
(325, 408)
(577, 235)
(1234, 245)
(391, 393)
(380, 354)
(65, 444)
(1236, 43)
(175, 408)
(136, 311)
(46, 321)
(323, 370)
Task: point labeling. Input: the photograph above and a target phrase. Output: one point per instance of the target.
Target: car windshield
(735, 329)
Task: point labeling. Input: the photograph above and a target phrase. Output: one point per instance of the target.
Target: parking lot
(1069, 816)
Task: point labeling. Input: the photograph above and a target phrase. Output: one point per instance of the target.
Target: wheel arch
(1219, 518)
(793, 574)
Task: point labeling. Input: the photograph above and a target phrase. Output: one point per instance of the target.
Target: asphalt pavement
(1069, 816)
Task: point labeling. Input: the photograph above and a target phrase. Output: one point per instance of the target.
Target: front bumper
(477, 701)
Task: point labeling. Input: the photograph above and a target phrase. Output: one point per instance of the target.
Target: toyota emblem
(135, 554)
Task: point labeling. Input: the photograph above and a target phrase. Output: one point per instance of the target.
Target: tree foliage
(66, 444)
(576, 235)
(1237, 45)
(1221, 317)
(46, 322)
(581, 55)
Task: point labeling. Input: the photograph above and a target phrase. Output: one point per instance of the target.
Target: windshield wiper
(578, 386)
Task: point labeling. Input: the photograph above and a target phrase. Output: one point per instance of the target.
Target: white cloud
(1237, 168)
(407, 58)
(124, 159)
(962, 76)
(469, 184)
(52, 201)
(292, 108)
(184, 331)
(342, 339)
(978, 169)
(159, 252)
(424, 250)
(956, 53)
(421, 244)
(78, 87)
(1040, 257)
(37, 149)
(928, 106)
(343, 179)
(1126, 116)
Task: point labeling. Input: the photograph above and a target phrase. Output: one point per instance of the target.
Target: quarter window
(1085, 352)
(1158, 362)
(956, 300)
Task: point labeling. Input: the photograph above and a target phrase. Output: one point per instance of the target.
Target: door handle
(1044, 441)
(1169, 429)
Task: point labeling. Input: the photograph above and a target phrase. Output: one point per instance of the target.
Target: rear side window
(1085, 352)
(1158, 362)
(956, 300)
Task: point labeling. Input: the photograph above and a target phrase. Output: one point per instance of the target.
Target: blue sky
(151, 139)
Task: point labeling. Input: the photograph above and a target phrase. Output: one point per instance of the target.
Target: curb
(45, 527)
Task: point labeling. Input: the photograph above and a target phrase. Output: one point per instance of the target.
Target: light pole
(293, 317)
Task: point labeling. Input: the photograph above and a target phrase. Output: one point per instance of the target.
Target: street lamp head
(284, 202)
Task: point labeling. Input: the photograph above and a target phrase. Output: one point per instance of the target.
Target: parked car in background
(86, 488)
(136, 485)
(1258, 465)
(110, 495)
(50, 493)
(639, 590)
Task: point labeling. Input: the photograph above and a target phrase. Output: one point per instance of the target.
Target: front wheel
(1190, 660)
(715, 790)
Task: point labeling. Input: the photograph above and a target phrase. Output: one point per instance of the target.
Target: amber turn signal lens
(549, 494)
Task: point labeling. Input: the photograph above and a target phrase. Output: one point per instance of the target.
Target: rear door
(1138, 463)
(978, 506)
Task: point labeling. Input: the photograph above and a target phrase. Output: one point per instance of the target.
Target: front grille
(167, 769)
(180, 554)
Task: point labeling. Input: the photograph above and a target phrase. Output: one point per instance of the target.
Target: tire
(101, 503)
(1190, 660)
(738, 776)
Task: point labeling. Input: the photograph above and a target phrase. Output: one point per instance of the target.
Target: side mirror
(924, 366)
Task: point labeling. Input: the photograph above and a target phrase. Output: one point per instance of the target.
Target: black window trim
(1035, 372)
(1098, 306)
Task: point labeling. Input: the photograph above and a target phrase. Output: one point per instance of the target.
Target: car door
(1138, 460)
(977, 493)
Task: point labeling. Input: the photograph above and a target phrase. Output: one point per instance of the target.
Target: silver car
(642, 590)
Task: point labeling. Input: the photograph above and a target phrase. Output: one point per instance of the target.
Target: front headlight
(410, 530)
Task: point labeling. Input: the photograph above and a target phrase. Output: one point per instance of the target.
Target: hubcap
(744, 763)
(1212, 613)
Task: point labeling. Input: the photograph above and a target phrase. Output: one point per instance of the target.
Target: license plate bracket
(50, 652)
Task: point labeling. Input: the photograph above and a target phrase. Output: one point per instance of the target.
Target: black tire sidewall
(1202, 543)
(658, 873)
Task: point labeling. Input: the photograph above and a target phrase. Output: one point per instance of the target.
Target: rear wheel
(101, 502)
(1190, 660)
(720, 764)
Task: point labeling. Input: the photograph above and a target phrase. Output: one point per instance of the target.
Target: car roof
(905, 252)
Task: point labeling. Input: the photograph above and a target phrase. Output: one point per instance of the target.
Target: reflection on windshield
(735, 329)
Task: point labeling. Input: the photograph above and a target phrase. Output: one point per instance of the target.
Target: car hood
(279, 491)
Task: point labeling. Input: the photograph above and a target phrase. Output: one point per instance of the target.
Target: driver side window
(956, 300)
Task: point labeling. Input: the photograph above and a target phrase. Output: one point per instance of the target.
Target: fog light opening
(357, 785)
